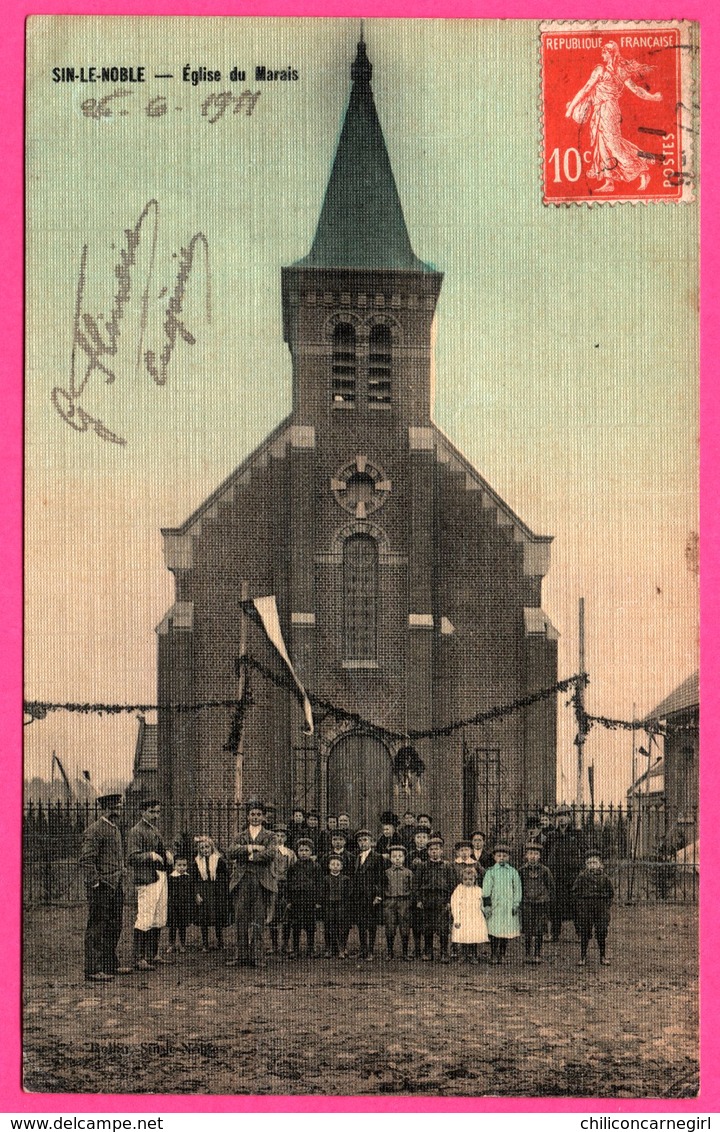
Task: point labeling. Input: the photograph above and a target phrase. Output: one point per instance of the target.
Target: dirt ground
(332, 1027)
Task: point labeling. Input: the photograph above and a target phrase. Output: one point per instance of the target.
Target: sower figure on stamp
(563, 858)
(252, 884)
(613, 157)
(150, 860)
(103, 866)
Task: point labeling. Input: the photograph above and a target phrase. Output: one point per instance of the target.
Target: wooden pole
(634, 752)
(580, 793)
(242, 677)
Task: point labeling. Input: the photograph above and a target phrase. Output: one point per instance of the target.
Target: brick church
(408, 591)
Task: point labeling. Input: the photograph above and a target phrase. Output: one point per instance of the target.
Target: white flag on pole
(267, 611)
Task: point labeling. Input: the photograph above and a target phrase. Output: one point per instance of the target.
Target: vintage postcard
(361, 706)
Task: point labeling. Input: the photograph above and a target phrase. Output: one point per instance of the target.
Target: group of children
(198, 894)
(398, 881)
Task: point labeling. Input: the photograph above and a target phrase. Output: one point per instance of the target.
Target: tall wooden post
(244, 593)
(580, 793)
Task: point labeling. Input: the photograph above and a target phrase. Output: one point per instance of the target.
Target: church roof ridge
(244, 466)
(361, 222)
(287, 423)
(483, 484)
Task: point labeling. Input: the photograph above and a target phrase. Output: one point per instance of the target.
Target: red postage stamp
(618, 114)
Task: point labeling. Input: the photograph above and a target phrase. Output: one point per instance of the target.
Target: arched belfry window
(380, 366)
(344, 374)
(360, 598)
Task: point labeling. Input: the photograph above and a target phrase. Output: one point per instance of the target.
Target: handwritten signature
(96, 339)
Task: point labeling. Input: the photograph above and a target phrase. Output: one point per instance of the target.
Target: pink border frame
(12, 20)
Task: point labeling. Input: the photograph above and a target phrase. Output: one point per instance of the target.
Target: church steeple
(358, 310)
(361, 224)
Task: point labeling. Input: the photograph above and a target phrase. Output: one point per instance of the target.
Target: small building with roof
(679, 714)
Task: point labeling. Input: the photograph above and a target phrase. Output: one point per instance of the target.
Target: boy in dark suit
(303, 894)
(434, 884)
(593, 894)
(334, 898)
(366, 890)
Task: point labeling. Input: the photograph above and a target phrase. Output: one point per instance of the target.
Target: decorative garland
(39, 709)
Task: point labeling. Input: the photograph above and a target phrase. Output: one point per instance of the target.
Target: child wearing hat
(538, 894)
(396, 901)
(502, 894)
(334, 901)
(338, 848)
(435, 882)
(593, 893)
(418, 856)
(469, 926)
(303, 895)
(283, 859)
(388, 836)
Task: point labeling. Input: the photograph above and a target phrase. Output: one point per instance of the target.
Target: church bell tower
(358, 309)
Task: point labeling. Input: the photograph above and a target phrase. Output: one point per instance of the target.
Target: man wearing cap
(366, 891)
(103, 866)
(563, 857)
(150, 861)
(252, 885)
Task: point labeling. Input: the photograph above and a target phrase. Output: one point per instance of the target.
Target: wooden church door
(360, 780)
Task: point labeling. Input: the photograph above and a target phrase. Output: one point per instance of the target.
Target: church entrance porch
(359, 779)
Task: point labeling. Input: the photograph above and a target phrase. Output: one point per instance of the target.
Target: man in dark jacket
(366, 891)
(103, 866)
(150, 861)
(563, 857)
(251, 886)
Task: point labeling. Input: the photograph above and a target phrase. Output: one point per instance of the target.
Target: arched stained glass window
(344, 375)
(380, 366)
(360, 598)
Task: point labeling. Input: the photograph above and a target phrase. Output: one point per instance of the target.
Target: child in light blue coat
(502, 893)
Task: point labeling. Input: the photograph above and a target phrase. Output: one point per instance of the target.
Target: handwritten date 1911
(96, 338)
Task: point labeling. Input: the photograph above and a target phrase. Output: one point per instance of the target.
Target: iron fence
(650, 850)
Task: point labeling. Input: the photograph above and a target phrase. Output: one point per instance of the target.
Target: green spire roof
(362, 224)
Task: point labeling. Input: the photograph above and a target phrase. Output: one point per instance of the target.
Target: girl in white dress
(469, 927)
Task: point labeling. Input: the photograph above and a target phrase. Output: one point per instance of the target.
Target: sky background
(566, 348)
